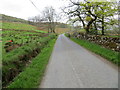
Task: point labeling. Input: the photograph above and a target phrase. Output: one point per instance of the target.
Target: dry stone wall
(112, 43)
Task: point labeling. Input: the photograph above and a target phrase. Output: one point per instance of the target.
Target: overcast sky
(24, 8)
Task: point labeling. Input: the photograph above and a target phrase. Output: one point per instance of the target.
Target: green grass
(28, 48)
(19, 26)
(114, 36)
(19, 37)
(40, 31)
(20, 33)
(14, 55)
(13, 60)
(104, 52)
(32, 75)
(12, 19)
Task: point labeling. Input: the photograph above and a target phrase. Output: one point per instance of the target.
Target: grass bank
(15, 61)
(32, 75)
(104, 52)
(19, 26)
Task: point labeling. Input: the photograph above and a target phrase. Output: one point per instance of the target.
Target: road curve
(72, 66)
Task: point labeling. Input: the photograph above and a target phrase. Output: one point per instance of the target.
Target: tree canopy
(92, 15)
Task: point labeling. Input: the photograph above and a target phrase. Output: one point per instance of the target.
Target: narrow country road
(72, 66)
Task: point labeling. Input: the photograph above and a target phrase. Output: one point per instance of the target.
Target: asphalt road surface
(72, 66)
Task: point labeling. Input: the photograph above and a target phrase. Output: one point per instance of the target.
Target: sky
(24, 8)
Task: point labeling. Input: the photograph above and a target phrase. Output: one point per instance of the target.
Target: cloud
(24, 9)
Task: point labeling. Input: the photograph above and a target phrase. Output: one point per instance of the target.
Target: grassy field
(104, 52)
(12, 19)
(19, 33)
(61, 30)
(20, 44)
(19, 26)
(32, 75)
(15, 61)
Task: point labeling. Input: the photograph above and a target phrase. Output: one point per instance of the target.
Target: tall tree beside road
(97, 14)
(50, 15)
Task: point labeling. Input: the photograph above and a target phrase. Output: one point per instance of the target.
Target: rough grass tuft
(32, 75)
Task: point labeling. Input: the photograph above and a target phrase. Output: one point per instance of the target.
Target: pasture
(20, 44)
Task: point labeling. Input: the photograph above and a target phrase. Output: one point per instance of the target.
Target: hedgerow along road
(72, 66)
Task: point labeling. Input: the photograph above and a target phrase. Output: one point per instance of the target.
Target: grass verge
(32, 75)
(104, 52)
(15, 61)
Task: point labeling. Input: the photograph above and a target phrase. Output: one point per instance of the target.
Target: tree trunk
(87, 29)
(89, 24)
(48, 30)
(96, 30)
(103, 33)
(54, 31)
(81, 20)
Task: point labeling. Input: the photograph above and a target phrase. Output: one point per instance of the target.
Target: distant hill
(62, 25)
(10, 22)
(12, 19)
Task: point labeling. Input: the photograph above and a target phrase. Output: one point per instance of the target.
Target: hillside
(9, 22)
(12, 19)
(20, 43)
(19, 26)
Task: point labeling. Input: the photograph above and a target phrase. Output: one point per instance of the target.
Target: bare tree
(50, 18)
(36, 20)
